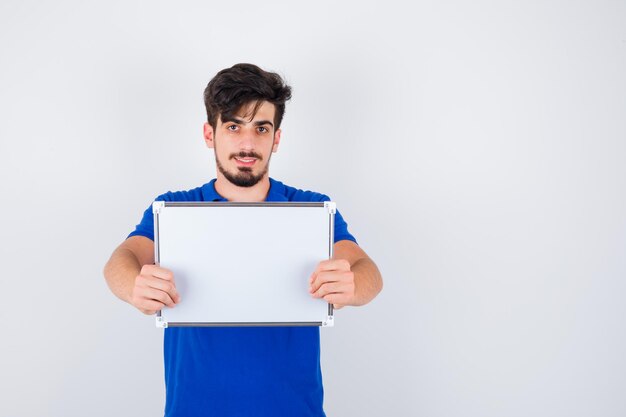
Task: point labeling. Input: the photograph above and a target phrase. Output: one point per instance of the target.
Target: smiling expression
(244, 144)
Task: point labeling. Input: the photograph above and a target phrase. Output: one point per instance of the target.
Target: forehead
(265, 111)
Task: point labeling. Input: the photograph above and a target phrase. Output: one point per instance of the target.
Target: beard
(244, 177)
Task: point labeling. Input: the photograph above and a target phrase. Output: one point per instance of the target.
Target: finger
(330, 276)
(340, 299)
(158, 295)
(333, 265)
(333, 288)
(329, 265)
(158, 272)
(150, 306)
(166, 286)
(163, 273)
(320, 279)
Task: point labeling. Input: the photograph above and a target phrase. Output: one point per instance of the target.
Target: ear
(208, 136)
(276, 140)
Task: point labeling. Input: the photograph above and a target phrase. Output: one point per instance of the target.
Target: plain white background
(476, 150)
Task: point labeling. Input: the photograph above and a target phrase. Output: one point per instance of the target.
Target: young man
(242, 371)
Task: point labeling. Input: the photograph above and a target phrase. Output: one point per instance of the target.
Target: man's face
(243, 146)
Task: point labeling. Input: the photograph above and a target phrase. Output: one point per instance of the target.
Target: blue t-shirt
(242, 371)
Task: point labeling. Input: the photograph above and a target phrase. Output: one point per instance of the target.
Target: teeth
(245, 160)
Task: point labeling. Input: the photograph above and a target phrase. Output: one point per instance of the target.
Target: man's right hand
(154, 288)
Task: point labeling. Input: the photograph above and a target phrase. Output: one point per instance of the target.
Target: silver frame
(157, 206)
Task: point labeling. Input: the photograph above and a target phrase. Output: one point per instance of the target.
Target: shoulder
(297, 194)
(194, 194)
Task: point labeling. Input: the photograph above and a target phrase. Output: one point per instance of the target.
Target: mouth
(245, 161)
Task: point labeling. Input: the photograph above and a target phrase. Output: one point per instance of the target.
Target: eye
(232, 128)
(263, 129)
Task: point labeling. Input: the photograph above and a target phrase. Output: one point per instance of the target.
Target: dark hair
(241, 84)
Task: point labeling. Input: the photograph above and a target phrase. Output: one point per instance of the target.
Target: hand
(333, 281)
(154, 288)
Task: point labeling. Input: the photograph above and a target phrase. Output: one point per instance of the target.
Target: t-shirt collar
(276, 192)
(209, 193)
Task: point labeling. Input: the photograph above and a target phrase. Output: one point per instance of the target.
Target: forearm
(120, 273)
(368, 281)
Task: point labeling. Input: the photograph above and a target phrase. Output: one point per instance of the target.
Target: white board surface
(243, 263)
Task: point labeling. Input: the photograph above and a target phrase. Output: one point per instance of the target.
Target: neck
(232, 192)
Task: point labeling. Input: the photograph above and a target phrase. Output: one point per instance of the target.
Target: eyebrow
(263, 122)
(241, 121)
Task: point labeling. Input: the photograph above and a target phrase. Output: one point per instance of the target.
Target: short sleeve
(341, 229)
(146, 225)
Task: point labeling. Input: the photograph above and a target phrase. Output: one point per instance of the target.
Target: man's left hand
(333, 281)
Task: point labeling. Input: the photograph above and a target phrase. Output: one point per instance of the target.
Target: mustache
(246, 155)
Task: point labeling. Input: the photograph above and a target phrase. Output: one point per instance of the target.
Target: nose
(246, 142)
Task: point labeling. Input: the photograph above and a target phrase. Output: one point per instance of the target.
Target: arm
(133, 278)
(349, 278)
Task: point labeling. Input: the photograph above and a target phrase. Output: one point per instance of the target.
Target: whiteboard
(243, 264)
